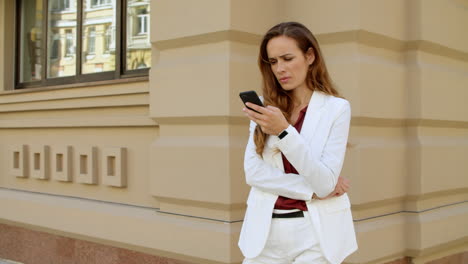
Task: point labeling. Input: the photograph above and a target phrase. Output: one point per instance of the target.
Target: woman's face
(288, 63)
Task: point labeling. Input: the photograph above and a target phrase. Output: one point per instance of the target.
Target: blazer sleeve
(321, 171)
(267, 178)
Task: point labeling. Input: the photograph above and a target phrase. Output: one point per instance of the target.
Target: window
(96, 3)
(138, 44)
(109, 40)
(54, 51)
(69, 43)
(93, 40)
(61, 5)
(143, 24)
(65, 4)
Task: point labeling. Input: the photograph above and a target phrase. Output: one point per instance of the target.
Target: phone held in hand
(251, 97)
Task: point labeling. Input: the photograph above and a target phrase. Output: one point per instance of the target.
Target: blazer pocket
(338, 204)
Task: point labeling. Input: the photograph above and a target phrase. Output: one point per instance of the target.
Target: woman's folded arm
(267, 178)
(320, 172)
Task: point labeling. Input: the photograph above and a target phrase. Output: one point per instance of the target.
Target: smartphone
(251, 97)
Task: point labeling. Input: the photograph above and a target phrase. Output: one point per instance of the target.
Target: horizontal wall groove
(359, 36)
(409, 211)
(124, 100)
(54, 88)
(88, 122)
(203, 218)
(74, 107)
(405, 200)
(64, 98)
(211, 37)
(203, 120)
(411, 122)
(74, 198)
(110, 203)
(207, 120)
(382, 41)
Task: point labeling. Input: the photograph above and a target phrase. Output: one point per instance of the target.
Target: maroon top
(284, 202)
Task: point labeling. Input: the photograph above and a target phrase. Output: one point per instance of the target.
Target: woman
(297, 210)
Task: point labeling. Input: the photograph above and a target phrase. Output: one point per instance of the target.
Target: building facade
(122, 136)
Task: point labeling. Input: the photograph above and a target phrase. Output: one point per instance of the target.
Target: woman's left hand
(270, 119)
(342, 186)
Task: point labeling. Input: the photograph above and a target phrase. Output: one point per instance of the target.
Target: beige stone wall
(402, 64)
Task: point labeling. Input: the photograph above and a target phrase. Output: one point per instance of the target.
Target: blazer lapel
(313, 115)
(312, 118)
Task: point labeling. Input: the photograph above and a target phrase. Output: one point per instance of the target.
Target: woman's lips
(284, 79)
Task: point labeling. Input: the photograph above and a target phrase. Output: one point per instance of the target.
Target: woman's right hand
(269, 118)
(342, 186)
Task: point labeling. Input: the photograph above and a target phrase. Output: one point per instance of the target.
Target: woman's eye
(272, 62)
(288, 59)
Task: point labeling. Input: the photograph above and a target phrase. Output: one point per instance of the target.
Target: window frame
(120, 71)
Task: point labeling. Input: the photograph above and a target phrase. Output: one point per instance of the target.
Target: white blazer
(317, 153)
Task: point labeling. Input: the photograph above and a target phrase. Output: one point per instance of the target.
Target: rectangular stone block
(39, 158)
(191, 168)
(451, 31)
(62, 163)
(86, 165)
(321, 16)
(205, 16)
(114, 166)
(19, 161)
(192, 81)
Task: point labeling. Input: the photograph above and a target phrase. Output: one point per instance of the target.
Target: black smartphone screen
(251, 97)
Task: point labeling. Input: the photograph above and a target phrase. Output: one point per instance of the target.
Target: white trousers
(290, 241)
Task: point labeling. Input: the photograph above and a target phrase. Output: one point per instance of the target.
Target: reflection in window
(54, 49)
(60, 5)
(91, 40)
(143, 23)
(31, 41)
(95, 3)
(99, 38)
(69, 43)
(48, 40)
(98, 67)
(65, 4)
(109, 40)
(61, 39)
(138, 42)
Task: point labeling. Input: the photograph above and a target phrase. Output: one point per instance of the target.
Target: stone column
(205, 53)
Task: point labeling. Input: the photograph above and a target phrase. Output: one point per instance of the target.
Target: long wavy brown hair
(317, 75)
